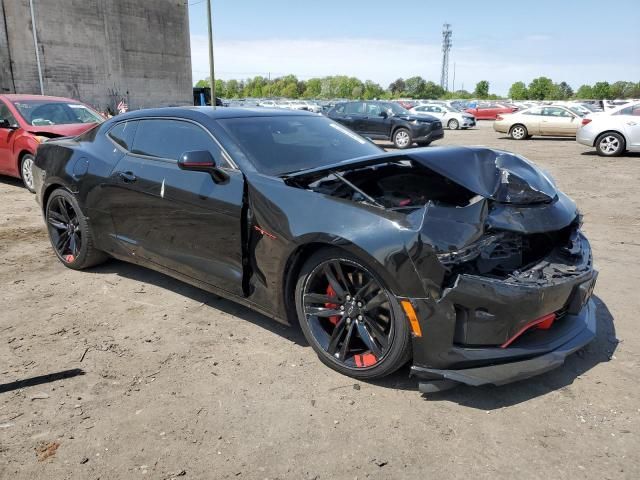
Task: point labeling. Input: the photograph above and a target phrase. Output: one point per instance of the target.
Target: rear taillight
(499, 117)
(586, 121)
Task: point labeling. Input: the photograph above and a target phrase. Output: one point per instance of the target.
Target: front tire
(519, 132)
(69, 232)
(453, 124)
(349, 317)
(26, 172)
(610, 144)
(402, 138)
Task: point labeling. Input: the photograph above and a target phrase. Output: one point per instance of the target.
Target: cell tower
(446, 47)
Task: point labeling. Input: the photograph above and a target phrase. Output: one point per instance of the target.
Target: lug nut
(348, 297)
(359, 304)
(359, 317)
(348, 321)
(341, 307)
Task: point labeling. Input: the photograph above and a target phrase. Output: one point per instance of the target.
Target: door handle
(127, 177)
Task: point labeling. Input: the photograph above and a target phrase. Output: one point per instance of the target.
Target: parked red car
(28, 120)
(489, 112)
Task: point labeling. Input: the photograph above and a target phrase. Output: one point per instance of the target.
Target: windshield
(286, 144)
(43, 113)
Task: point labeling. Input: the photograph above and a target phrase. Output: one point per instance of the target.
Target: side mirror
(384, 114)
(202, 161)
(4, 123)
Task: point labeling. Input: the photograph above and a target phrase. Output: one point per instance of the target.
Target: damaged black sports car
(467, 261)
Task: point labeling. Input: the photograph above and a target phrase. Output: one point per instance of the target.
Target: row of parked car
(611, 132)
(26, 121)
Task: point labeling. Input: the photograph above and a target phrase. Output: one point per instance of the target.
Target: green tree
(232, 89)
(518, 91)
(566, 90)
(432, 90)
(482, 89)
(414, 86)
(621, 89)
(602, 90)
(314, 88)
(541, 88)
(397, 87)
(204, 83)
(585, 92)
(372, 90)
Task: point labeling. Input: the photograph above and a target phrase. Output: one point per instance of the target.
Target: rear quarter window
(123, 133)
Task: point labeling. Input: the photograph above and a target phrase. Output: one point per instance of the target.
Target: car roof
(14, 97)
(213, 113)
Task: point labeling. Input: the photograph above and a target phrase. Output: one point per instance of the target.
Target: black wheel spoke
(368, 340)
(362, 292)
(55, 223)
(376, 331)
(345, 345)
(333, 281)
(62, 240)
(323, 312)
(375, 302)
(73, 243)
(341, 277)
(319, 298)
(336, 335)
(62, 208)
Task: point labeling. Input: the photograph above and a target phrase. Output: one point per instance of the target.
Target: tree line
(343, 86)
(543, 88)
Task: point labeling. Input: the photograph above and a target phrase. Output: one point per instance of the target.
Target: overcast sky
(503, 42)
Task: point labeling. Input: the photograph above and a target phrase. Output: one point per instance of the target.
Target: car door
(7, 136)
(375, 124)
(354, 116)
(630, 118)
(558, 121)
(437, 112)
(182, 220)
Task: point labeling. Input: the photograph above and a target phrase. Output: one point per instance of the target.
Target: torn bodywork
(506, 272)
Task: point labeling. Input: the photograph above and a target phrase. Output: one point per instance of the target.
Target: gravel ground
(120, 372)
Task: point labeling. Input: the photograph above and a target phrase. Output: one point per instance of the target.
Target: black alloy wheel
(350, 318)
(69, 232)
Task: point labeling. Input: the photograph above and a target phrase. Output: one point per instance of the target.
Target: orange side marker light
(413, 319)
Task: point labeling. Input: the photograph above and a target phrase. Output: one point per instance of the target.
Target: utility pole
(446, 47)
(211, 73)
(35, 44)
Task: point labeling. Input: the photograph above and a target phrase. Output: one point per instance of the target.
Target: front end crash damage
(507, 274)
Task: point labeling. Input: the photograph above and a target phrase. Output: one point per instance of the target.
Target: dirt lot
(120, 372)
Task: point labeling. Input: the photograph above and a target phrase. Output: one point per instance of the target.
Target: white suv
(612, 133)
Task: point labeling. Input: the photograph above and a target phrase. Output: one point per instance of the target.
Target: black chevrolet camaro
(468, 261)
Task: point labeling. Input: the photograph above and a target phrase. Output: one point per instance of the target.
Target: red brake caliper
(332, 293)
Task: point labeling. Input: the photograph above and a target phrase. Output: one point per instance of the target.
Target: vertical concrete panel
(100, 51)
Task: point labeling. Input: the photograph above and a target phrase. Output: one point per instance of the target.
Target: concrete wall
(99, 51)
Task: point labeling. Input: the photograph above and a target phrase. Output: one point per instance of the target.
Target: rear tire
(518, 132)
(26, 172)
(340, 324)
(402, 138)
(610, 144)
(69, 232)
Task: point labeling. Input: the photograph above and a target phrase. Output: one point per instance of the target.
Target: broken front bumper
(487, 331)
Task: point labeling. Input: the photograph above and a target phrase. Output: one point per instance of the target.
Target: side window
(122, 134)
(630, 110)
(555, 112)
(167, 138)
(340, 108)
(533, 111)
(354, 108)
(373, 109)
(5, 114)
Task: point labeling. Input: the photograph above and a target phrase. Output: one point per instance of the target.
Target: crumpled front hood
(501, 176)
